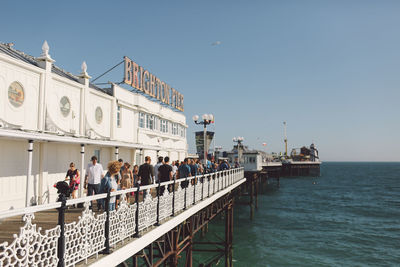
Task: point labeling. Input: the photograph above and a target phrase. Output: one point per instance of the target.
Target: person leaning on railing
(109, 182)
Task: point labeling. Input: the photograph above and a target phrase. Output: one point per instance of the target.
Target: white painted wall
(25, 116)
(51, 159)
(54, 93)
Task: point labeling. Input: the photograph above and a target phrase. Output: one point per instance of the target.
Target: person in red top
(73, 176)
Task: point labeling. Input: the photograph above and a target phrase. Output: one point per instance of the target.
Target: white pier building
(50, 117)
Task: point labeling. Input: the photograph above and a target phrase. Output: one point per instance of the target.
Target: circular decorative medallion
(16, 94)
(65, 106)
(99, 115)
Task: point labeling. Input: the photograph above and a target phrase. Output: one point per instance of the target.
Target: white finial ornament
(45, 53)
(84, 73)
(84, 67)
(45, 49)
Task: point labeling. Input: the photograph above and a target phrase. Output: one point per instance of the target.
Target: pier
(148, 230)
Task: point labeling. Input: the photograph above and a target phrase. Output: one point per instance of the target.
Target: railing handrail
(136, 217)
(32, 209)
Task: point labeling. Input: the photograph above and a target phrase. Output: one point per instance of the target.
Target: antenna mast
(284, 127)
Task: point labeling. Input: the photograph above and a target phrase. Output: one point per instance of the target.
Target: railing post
(186, 185)
(137, 212)
(173, 197)
(158, 201)
(202, 187)
(194, 190)
(107, 225)
(61, 223)
(209, 182)
(215, 178)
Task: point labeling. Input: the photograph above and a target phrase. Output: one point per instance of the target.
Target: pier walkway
(153, 230)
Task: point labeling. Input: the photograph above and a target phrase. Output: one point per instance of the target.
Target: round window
(16, 94)
(99, 115)
(65, 106)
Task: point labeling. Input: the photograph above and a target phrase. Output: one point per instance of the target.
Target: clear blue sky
(331, 69)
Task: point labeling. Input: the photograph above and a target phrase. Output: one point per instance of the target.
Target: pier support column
(189, 249)
(256, 185)
(228, 235)
(251, 198)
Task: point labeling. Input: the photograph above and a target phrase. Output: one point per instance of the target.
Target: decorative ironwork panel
(30, 247)
(198, 190)
(189, 195)
(147, 211)
(122, 221)
(179, 199)
(211, 185)
(165, 205)
(85, 237)
(205, 187)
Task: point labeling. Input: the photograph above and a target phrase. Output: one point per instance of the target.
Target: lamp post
(239, 141)
(206, 120)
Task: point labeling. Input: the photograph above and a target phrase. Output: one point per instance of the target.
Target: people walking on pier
(109, 182)
(223, 166)
(159, 163)
(200, 168)
(94, 174)
(127, 178)
(73, 176)
(175, 166)
(237, 164)
(121, 161)
(183, 172)
(146, 173)
(135, 175)
(164, 174)
(193, 167)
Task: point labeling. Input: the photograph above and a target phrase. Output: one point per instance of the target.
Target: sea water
(349, 216)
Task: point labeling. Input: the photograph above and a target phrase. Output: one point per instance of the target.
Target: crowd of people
(120, 176)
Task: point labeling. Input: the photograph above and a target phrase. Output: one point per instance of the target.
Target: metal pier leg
(256, 185)
(251, 199)
(228, 235)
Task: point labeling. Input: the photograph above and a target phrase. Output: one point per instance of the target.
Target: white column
(29, 173)
(116, 153)
(84, 98)
(133, 157)
(82, 170)
(45, 62)
(41, 170)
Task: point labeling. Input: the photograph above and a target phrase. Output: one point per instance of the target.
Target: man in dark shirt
(146, 172)
(164, 173)
(184, 171)
(193, 167)
(224, 166)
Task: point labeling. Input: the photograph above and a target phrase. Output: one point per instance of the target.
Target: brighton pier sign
(142, 80)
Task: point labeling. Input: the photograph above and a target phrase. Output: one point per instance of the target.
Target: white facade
(64, 114)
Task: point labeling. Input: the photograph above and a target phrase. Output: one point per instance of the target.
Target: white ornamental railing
(95, 232)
